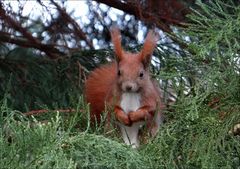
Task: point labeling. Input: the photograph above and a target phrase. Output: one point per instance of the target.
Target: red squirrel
(126, 86)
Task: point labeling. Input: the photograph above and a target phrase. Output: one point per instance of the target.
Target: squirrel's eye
(141, 74)
(119, 72)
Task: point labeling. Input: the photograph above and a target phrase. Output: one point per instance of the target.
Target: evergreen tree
(199, 63)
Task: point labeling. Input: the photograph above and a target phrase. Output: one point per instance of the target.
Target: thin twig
(49, 49)
(42, 111)
(30, 41)
(77, 28)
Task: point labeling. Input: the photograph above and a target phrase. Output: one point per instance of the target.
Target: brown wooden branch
(132, 9)
(77, 29)
(42, 111)
(149, 17)
(49, 49)
(16, 25)
(28, 40)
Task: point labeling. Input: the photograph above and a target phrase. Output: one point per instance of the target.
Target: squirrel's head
(133, 68)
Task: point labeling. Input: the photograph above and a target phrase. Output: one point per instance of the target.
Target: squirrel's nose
(129, 88)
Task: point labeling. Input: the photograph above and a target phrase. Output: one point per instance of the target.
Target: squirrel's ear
(116, 40)
(148, 47)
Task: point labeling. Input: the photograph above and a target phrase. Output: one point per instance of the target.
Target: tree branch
(16, 25)
(136, 11)
(149, 17)
(77, 29)
(38, 112)
(50, 50)
(142, 14)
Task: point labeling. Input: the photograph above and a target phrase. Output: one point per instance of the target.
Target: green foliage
(197, 134)
(29, 143)
(198, 128)
(35, 81)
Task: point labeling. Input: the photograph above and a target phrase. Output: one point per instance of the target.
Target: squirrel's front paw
(122, 117)
(139, 115)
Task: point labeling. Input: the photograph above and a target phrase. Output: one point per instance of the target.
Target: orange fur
(98, 88)
(130, 74)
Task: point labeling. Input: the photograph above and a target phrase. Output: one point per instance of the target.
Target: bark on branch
(153, 16)
(29, 40)
(50, 50)
(38, 112)
(77, 29)
(144, 14)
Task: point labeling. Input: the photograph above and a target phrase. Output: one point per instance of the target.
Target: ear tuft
(148, 47)
(116, 40)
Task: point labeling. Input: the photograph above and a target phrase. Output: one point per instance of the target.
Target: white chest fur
(130, 102)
